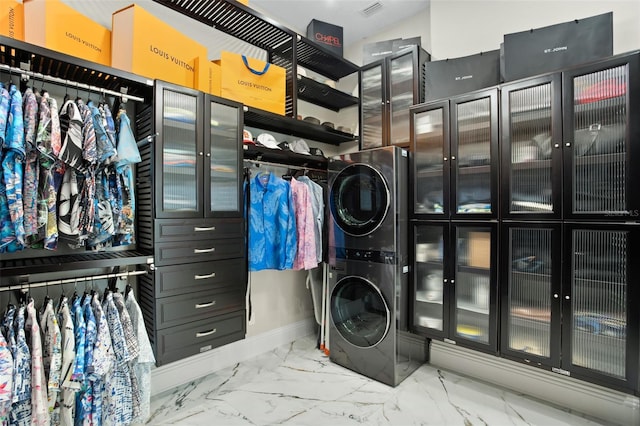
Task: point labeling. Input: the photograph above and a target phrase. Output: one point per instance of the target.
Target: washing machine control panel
(375, 256)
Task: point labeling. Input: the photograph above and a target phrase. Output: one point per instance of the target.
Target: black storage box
(559, 46)
(372, 52)
(326, 35)
(450, 77)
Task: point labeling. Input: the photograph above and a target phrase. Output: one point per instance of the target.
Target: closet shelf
(55, 64)
(269, 121)
(325, 96)
(320, 60)
(244, 23)
(237, 20)
(72, 262)
(259, 153)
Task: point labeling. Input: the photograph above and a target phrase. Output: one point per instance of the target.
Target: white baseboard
(569, 393)
(180, 372)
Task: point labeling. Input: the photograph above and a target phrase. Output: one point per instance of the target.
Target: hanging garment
(89, 143)
(21, 407)
(6, 379)
(8, 241)
(103, 360)
(117, 397)
(68, 387)
(317, 207)
(127, 147)
(4, 113)
(12, 164)
(48, 137)
(103, 224)
(79, 334)
(69, 207)
(305, 226)
(52, 358)
(125, 185)
(86, 215)
(105, 146)
(272, 223)
(39, 409)
(133, 350)
(50, 181)
(84, 398)
(71, 152)
(30, 183)
(109, 124)
(145, 359)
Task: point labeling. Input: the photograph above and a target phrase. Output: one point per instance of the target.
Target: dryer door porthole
(360, 200)
(359, 312)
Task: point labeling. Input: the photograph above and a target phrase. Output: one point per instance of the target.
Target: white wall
(416, 26)
(465, 27)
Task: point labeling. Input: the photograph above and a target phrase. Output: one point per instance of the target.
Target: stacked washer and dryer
(369, 266)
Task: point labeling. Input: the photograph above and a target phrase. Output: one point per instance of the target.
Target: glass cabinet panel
(430, 141)
(179, 152)
(429, 309)
(401, 97)
(223, 164)
(473, 284)
(529, 291)
(372, 101)
(473, 164)
(599, 300)
(599, 145)
(530, 143)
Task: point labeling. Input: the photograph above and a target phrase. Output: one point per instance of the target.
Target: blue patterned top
(272, 224)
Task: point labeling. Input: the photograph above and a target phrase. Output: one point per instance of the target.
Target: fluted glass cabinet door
(430, 135)
(431, 281)
(474, 281)
(401, 96)
(531, 148)
(598, 329)
(224, 158)
(597, 132)
(473, 160)
(180, 153)
(532, 300)
(373, 106)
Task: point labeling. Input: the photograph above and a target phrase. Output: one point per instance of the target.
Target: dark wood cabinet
(389, 87)
(455, 157)
(564, 234)
(197, 231)
(455, 283)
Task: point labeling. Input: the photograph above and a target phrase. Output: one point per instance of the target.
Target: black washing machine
(368, 200)
(368, 292)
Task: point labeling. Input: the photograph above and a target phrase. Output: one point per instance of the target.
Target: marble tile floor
(298, 385)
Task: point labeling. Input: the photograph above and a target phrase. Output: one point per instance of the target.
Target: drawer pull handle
(205, 305)
(205, 333)
(204, 228)
(209, 250)
(204, 277)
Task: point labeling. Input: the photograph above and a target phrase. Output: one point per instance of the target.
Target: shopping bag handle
(256, 72)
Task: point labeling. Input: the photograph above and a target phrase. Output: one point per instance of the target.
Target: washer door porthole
(359, 199)
(359, 312)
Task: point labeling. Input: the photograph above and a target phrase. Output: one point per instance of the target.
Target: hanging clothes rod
(70, 83)
(26, 286)
(283, 166)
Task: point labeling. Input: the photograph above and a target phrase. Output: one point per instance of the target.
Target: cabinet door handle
(205, 305)
(204, 277)
(204, 228)
(209, 250)
(205, 333)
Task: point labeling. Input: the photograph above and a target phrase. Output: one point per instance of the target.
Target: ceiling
(296, 14)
